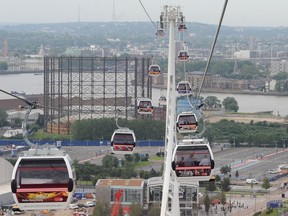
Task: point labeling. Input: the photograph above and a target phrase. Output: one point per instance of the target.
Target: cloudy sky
(238, 12)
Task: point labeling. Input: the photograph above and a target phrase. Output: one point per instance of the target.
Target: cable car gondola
(183, 55)
(160, 32)
(123, 141)
(193, 160)
(184, 88)
(162, 101)
(182, 27)
(187, 122)
(154, 70)
(144, 106)
(43, 179)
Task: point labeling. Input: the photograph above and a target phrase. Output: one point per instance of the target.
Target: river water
(33, 84)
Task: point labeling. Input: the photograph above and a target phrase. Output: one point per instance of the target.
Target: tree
(102, 208)
(223, 198)
(225, 169)
(212, 102)
(135, 210)
(237, 174)
(225, 186)
(3, 65)
(154, 210)
(210, 186)
(3, 117)
(110, 161)
(266, 183)
(230, 104)
(207, 203)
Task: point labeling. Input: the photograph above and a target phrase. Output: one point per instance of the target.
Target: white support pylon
(170, 183)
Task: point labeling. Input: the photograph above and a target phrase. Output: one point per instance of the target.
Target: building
(188, 195)
(133, 191)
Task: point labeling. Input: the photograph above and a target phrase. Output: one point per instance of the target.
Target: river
(33, 84)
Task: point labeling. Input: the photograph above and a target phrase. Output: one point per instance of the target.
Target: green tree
(3, 65)
(223, 198)
(210, 186)
(230, 104)
(3, 117)
(102, 208)
(225, 185)
(135, 210)
(110, 161)
(266, 184)
(154, 209)
(207, 203)
(237, 174)
(225, 169)
(212, 102)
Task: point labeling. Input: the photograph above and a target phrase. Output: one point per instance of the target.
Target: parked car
(73, 206)
(252, 181)
(273, 171)
(90, 204)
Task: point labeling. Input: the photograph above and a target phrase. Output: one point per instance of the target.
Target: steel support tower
(170, 195)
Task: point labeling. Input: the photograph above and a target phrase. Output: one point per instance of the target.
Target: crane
(116, 206)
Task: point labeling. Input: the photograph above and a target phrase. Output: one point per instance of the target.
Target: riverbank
(233, 91)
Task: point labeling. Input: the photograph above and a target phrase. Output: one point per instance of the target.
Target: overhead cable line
(212, 49)
(147, 14)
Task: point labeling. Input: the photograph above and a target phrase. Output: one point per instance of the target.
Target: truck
(251, 181)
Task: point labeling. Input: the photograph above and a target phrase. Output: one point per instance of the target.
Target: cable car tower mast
(170, 16)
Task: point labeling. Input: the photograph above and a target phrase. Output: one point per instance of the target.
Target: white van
(251, 181)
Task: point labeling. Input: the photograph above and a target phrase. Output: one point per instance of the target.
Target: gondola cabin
(160, 32)
(144, 106)
(154, 70)
(123, 141)
(162, 101)
(182, 27)
(187, 122)
(184, 88)
(183, 56)
(193, 160)
(43, 181)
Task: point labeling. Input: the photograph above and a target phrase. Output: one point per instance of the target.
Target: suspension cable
(147, 14)
(212, 49)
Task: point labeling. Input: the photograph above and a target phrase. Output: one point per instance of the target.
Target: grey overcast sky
(238, 13)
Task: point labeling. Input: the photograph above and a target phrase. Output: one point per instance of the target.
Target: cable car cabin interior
(154, 70)
(187, 122)
(183, 56)
(144, 106)
(184, 88)
(160, 32)
(193, 161)
(43, 182)
(162, 101)
(123, 142)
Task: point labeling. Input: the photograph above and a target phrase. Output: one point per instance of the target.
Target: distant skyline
(238, 13)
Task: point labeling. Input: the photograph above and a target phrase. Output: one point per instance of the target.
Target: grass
(143, 164)
(156, 158)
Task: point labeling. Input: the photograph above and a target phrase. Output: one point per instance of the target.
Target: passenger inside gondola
(145, 106)
(187, 123)
(190, 165)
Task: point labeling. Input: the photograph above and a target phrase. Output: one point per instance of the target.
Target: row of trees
(112, 167)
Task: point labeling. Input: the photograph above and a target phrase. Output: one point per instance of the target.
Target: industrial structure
(92, 87)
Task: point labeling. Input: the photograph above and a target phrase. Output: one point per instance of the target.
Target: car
(90, 204)
(251, 181)
(81, 205)
(73, 206)
(273, 171)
